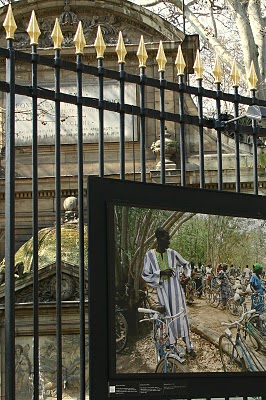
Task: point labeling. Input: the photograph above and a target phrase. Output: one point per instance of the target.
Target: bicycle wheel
(215, 297)
(207, 294)
(255, 331)
(259, 323)
(229, 356)
(156, 338)
(170, 365)
(121, 330)
(233, 307)
(251, 339)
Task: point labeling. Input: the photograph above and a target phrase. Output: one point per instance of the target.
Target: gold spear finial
(217, 71)
(142, 53)
(198, 66)
(235, 74)
(57, 35)
(79, 39)
(10, 23)
(99, 44)
(33, 29)
(252, 77)
(180, 62)
(121, 49)
(161, 58)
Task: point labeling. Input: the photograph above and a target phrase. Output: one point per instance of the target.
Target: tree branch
(213, 19)
(149, 3)
(249, 33)
(258, 29)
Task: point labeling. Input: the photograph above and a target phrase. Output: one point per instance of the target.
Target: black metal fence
(35, 92)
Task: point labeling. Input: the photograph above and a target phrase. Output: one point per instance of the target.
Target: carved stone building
(113, 16)
(70, 311)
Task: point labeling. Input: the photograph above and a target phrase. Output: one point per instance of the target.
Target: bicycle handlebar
(150, 311)
(147, 310)
(239, 320)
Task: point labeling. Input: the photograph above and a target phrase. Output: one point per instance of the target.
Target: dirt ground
(205, 322)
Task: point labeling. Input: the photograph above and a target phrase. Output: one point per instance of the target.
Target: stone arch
(112, 15)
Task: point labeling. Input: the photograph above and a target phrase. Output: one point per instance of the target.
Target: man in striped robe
(162, 267)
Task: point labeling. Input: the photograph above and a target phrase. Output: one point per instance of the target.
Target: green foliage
(136, 220)
(191, 239)
(219, 239)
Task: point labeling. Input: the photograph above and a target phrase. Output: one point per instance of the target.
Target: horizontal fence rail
(143, 112)
(35, 91)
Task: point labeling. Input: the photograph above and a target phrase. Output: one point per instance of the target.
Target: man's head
(224, 267)
(257, 268)
(163, 237)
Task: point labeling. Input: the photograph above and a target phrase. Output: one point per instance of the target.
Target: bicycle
(255, 333)
(257, 324)
(236, 355)
(214, 297)
(236, 305)
(210, 283)
(121, 329)
(190, 291)
(201, 284)
(169, 357)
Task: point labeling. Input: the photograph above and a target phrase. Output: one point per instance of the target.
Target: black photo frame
(104, 381)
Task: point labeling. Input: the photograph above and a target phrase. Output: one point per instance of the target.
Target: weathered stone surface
(47, 248)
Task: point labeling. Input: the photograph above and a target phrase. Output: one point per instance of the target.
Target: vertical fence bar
(101, 118)
(81, 229)
(58, 224)
(10, 388)
(35, 225)
(121, 53)
(237, 139)
(162, 126)
(142, 125)
(255, 157)
(201, 133)
(198, 69)
(255, 148)
(182, 130)
(133, 147)
(142, 56)
(122, 121)
(219, 139)
(100, 49)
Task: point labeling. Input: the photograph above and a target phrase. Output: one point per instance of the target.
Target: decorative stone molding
(47, 287)
(48, 367)
(132, 20)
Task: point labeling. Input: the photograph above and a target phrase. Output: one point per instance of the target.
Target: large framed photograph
(176, 304)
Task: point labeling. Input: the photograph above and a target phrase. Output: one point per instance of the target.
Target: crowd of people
(254, 277)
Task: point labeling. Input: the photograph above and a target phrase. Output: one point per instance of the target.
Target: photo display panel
(182, 315)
